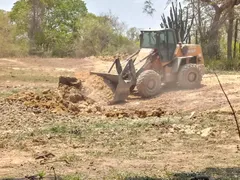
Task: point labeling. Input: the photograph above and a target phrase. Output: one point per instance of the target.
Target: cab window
(148, 40)
(167, 45)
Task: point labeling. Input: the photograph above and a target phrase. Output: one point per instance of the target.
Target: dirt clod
(44, 155)
(134, 113)
(65, 99)
(70, 81)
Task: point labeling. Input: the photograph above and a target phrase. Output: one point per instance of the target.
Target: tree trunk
(33, 25)
(219, 18)
(235, 39)
(36, 17)
(199, 20)
(196, 37)
(239, 48)
(230, 33)
(213, 39)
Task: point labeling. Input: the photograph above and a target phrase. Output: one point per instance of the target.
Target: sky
(128, 11)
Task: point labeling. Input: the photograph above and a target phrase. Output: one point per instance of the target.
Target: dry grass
(96, 147)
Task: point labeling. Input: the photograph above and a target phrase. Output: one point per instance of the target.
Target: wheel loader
(160, 61)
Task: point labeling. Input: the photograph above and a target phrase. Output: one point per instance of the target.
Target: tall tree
(35, 24)
(10, 45)
(179, 20)
(133, 34)
(220, 10)
(235, 38)
(50, 24)
(61, 24)
(230, 33)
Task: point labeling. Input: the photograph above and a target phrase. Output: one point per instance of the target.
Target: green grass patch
(73, 177)
(59, 130)
(70, 157)
(5, 94)
(27, 76)
(64, 129)
(222, 65)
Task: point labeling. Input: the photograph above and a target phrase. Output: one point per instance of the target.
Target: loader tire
(190, 76)
(149, 83)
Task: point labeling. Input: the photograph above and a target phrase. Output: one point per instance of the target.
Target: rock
(46, 91)
(82, 106)
(192, 115)
(98, 113)
(36, 110)
(89, 110)
(189, 131)
(171, 130)
(44, 155)
(155, 114)
(75, 98)
(73, 108)
(206, 132)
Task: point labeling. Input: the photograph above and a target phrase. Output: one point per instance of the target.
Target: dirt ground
(188, 133)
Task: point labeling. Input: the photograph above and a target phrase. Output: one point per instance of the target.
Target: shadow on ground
(207, 174)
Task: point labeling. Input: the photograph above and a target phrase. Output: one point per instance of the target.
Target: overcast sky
(129, 11)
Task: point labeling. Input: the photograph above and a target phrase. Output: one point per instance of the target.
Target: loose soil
(176, 135)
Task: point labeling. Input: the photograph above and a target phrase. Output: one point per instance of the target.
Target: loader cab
(162, 40)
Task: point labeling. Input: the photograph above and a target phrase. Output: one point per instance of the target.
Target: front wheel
(149, 83)
(190, 76)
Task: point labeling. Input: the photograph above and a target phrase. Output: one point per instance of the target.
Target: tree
(102, 35)
(179, 20)
(133, 34)
(148, 7)
(10, 45)
(220, 10)
(94, 36)
(20, 16)
(235, 38)
(65, 28)
(118, 26)
(51, 25)
(230, 33)
(61, 24)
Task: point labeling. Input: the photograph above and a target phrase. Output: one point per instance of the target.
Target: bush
(223, 64)
(98, 37)
(10, 45)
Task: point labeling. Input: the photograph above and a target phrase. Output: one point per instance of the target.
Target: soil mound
(76, 96)
(64, 99)
(132, 113)
(98, 89)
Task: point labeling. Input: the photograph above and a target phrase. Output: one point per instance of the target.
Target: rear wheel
(149, 83)
(190, 76)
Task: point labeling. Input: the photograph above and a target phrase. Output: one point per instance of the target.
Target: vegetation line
(233, 111)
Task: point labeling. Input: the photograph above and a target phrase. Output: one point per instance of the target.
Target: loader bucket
(122, 91)
(122, 85)
(111, 77)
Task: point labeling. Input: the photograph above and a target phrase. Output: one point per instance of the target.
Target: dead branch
(55, 175)
(233, 111)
